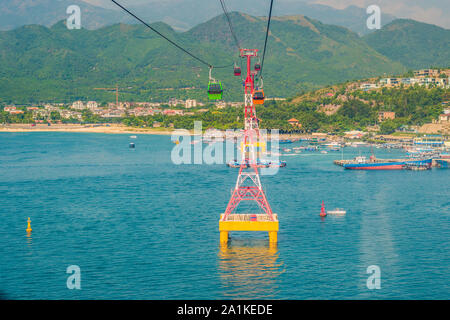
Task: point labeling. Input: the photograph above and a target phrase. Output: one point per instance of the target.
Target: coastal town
(328, 100)
(424, 77)
(75, 110)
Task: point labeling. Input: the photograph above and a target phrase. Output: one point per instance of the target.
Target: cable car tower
(248, 185)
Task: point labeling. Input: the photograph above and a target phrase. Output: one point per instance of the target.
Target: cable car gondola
(258, 97)
(257, 66)
(215, 90)
(237, 71)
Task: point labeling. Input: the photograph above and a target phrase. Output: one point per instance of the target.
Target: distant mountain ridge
(57, 64)
(404, 38)
(180, 14)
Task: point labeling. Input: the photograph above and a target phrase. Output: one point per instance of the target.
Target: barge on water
(362, 163)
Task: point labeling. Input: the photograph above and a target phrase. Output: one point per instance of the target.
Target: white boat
(133, 137)
(337, 211)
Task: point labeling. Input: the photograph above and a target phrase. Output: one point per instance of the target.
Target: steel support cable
(224, 7)
(230, 24)
(267, 35)
(163, 36)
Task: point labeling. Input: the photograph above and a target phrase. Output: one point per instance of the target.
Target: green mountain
(414, 44)
(40, 64)
(56, 64)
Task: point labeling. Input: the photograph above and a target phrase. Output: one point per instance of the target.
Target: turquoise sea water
(140, 227)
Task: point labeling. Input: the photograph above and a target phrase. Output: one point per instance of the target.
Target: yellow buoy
(29, 225)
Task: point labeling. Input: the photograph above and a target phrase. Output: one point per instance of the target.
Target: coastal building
(50, 107)
(440, 82)
(67, 114)
(220, 104)
(140, 111)
(112, 113)
(12, 110)
(295, 123)
(91, 105)
(172, 112)
(355, 134)
(190, 103)
(9, 109)
(426, 73)
(444, 118)
(408, 129)
(368, 86)
(124, 105)
(389, 82)
(78, 105)
(410, 81)
(386, 115)
(173, 102)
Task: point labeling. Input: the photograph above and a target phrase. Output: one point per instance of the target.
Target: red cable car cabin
(257, 67)
(237, 71)
(258, 97)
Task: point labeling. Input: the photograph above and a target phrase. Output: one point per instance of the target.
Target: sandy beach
(88, 128)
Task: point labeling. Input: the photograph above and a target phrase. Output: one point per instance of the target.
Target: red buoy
(322, 210)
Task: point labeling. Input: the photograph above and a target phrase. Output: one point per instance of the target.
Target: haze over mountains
(57, 64)
(180, 14)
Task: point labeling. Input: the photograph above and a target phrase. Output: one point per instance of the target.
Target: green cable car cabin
(215, 90)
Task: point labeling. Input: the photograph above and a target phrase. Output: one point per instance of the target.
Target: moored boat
(362, 163)
(443, 163)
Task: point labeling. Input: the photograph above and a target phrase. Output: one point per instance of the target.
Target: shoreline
(122, 129)
(111, 129)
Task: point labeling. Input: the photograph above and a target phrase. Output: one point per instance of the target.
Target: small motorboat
(132, 145)
(133, 137)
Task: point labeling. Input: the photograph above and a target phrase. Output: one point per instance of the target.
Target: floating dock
(249, 222)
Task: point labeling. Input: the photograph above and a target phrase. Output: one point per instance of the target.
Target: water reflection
(29, 239)
(249, 269)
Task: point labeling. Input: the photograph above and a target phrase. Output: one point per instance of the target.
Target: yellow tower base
(242, 222)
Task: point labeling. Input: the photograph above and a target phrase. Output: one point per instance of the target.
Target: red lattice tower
(248, 185)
